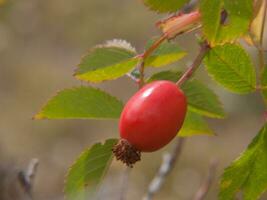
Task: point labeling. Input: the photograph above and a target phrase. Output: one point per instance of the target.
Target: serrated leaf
(194, 124)
(85, 175)
(200, 98)
(166, 53)
(107, 62)
(210, 15)
(165, 75)
(247, 173)
(81, 103)
(231, 67)
(239, 15)
(166, 6)
(264, 84)
(203, 100)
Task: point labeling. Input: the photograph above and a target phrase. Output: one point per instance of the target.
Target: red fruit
(150, 119)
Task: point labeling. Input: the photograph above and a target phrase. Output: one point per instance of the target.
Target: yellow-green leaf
(107, 62)
(166, 53)
(239, 15)
(194, 124)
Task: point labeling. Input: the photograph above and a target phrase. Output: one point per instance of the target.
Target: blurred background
(41, 42)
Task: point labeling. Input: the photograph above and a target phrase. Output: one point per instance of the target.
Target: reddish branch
(190, 71)
(171, 27)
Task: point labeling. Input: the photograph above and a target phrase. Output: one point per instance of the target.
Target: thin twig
(154, 46)
(166, 167)
(189, 72)
(204, 188)
(26, 177)
(141, 68)
(145, 55)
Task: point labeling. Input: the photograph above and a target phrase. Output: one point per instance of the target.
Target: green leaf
(200, 98)
(210, 15)
(203, 100)
(107, 62)
(247, 173)
(165, 6)
(165, 75)
(86, 174)
(81, 102)
(231, 67)
(166, 53)
(264, 84)
(239, 15)
(194, 124)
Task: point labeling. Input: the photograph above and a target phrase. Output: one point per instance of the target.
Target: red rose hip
(150, 120)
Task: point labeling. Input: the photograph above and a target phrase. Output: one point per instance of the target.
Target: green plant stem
(204, 48)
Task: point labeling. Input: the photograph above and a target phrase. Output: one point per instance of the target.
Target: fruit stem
(146, 54)
(204, 48)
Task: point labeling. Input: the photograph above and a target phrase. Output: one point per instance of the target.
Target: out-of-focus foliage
(88, 170)
(247, 173)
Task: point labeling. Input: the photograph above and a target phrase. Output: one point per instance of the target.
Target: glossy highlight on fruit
(151, 118)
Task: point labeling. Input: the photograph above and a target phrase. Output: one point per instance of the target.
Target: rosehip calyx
(150, 120)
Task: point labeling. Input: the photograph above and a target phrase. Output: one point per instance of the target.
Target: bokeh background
(41, 42)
